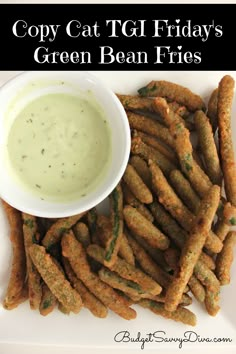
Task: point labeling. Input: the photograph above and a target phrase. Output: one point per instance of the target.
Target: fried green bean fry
(225, 100)
(153, 142)
(55, 279)
(169, 199)
(113, 243)
(127, 271)
(185, 191)
(136, 185)
(206, 276)
(104, 233)
(183, 147)
(225, 258)
(141, 167)
(14, 294)
(173, 92)
(155, 253)
(181, 314)
(212, 109)
(144, 228)
(212, 301)
(55, 232)
(138, 147)
(208, 147)
(48, 301)
(130, 199)
(115, 281)
(31, 236)
(185, 301)
(172, 258)
(150, 126)
(76, 255)
(148, 265)
(81, 232)
(193, 248)
(168, 224)
(90, 301)
(212, 285)
(177, 209)
(136, 103)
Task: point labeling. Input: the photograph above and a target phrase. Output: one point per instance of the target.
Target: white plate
(86, 333)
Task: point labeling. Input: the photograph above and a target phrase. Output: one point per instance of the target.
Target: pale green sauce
(59, 147)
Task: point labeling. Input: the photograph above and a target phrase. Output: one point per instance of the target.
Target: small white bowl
(21, 89)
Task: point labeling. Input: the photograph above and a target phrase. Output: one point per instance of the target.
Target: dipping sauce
(59, 146)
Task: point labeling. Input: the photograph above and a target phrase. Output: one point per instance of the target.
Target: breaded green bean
(125, 251)
(225, 100)
(174, 231)
(169, 199)
(136, 103)
(225, 258)
(74, 252)
(16, 282)
(186, 300)
(206, 276)
(156, 254)
(181, 314)
(90, 301)
(208, 260)
(179, 109)
(141, 167)
(127, 271)
(104, 232)
(197, 289)
(212, 301)
(221, 230)
(226, 218)
(212, 110)
(55, 279)
(193, 247)
(183, 147)
(199, 180)
(185, 191)
(168, 224)
(55, 232)
(130, 199)
(153, 142)
(208, 147)
(137, 186)
(173, 204)
(48, 301)
(212, 287)
(229, 214)
(115, 281)
(148, 265)
(138, 147)
(172, 258)
(173, 92)
(81, 232)
(113, 243)
(144, 228)
(162, 108)
(31, 236)
(150, 126)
